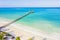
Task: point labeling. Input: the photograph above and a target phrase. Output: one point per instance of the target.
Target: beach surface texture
(24, 31)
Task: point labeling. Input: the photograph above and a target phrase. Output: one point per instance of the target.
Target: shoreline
(25, 32)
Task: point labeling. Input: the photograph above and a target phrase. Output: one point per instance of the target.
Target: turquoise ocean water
(45, 19)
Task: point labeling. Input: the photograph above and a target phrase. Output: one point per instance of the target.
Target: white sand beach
(24, 31)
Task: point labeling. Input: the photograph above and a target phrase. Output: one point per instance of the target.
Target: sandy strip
(25, 32)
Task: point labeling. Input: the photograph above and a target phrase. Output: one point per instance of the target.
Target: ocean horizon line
(33, 7)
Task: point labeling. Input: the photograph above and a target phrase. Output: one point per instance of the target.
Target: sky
(29, 3)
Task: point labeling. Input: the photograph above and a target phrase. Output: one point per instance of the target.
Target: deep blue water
(51, 15)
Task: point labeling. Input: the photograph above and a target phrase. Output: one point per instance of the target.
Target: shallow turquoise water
(46, 19)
